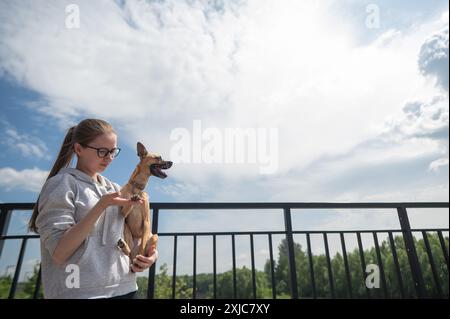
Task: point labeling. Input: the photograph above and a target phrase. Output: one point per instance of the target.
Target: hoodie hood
(82, 176)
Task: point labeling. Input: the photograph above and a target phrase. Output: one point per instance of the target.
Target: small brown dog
(137, 230)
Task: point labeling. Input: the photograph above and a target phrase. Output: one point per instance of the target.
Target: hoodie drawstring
(105, 220)
(105, 225)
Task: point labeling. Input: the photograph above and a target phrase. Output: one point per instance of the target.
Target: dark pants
(131, 295)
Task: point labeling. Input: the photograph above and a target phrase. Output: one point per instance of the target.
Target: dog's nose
(169, 164)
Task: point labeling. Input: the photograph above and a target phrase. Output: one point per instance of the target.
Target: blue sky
(361, 111)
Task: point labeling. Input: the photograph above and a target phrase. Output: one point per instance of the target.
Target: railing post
(291, 252)
(152, 271)
(194, 270)
(214, 267)
(233, 251)
(5, 216)
(38, 284)
(12, 290)
(419, 283)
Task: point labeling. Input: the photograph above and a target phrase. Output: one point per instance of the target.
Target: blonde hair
(83, 133)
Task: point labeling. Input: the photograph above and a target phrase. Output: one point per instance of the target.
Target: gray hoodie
(103, 269)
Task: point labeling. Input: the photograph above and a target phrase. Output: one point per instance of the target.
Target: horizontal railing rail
(421, 288)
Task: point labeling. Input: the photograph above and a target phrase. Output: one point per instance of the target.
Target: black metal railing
(421, 288)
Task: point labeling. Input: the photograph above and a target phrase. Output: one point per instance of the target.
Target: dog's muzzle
(156, 169)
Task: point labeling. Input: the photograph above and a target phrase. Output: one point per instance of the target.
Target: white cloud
(437, 164)
(444, 17)
(28, 179)
(423, 122)
(160, 65)
(182, 191)
(422, 119)
(433, 58)
(26, 145)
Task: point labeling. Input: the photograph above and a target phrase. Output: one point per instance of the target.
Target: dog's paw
(122, 245)
(135, 197)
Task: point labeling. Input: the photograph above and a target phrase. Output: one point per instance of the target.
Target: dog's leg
(128, 236)
(126, 244)
(135, 251)
(153, 238)
(151, 242)
(145, 226)
(126, 210)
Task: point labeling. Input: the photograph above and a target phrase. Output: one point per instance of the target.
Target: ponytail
(63, 160)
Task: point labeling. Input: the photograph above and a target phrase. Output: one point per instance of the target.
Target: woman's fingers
(124, 201)
(144, 262)
(152, 253)
(117, 199)
(144, 259)
(151, 250)
(136, 268)
(141, 264)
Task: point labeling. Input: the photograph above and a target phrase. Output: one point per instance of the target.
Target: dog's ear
(141, 150)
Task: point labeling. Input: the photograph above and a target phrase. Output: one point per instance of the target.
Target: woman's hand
(140, 263)
(113, 199)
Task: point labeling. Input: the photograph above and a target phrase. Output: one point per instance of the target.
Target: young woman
(79, 221)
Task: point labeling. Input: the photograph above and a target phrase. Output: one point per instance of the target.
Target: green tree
(5, 285)
(163, 285)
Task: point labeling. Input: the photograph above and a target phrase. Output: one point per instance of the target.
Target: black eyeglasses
(103, 151)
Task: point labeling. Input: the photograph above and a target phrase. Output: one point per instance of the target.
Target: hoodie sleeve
(56, 210)
(117, 187)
